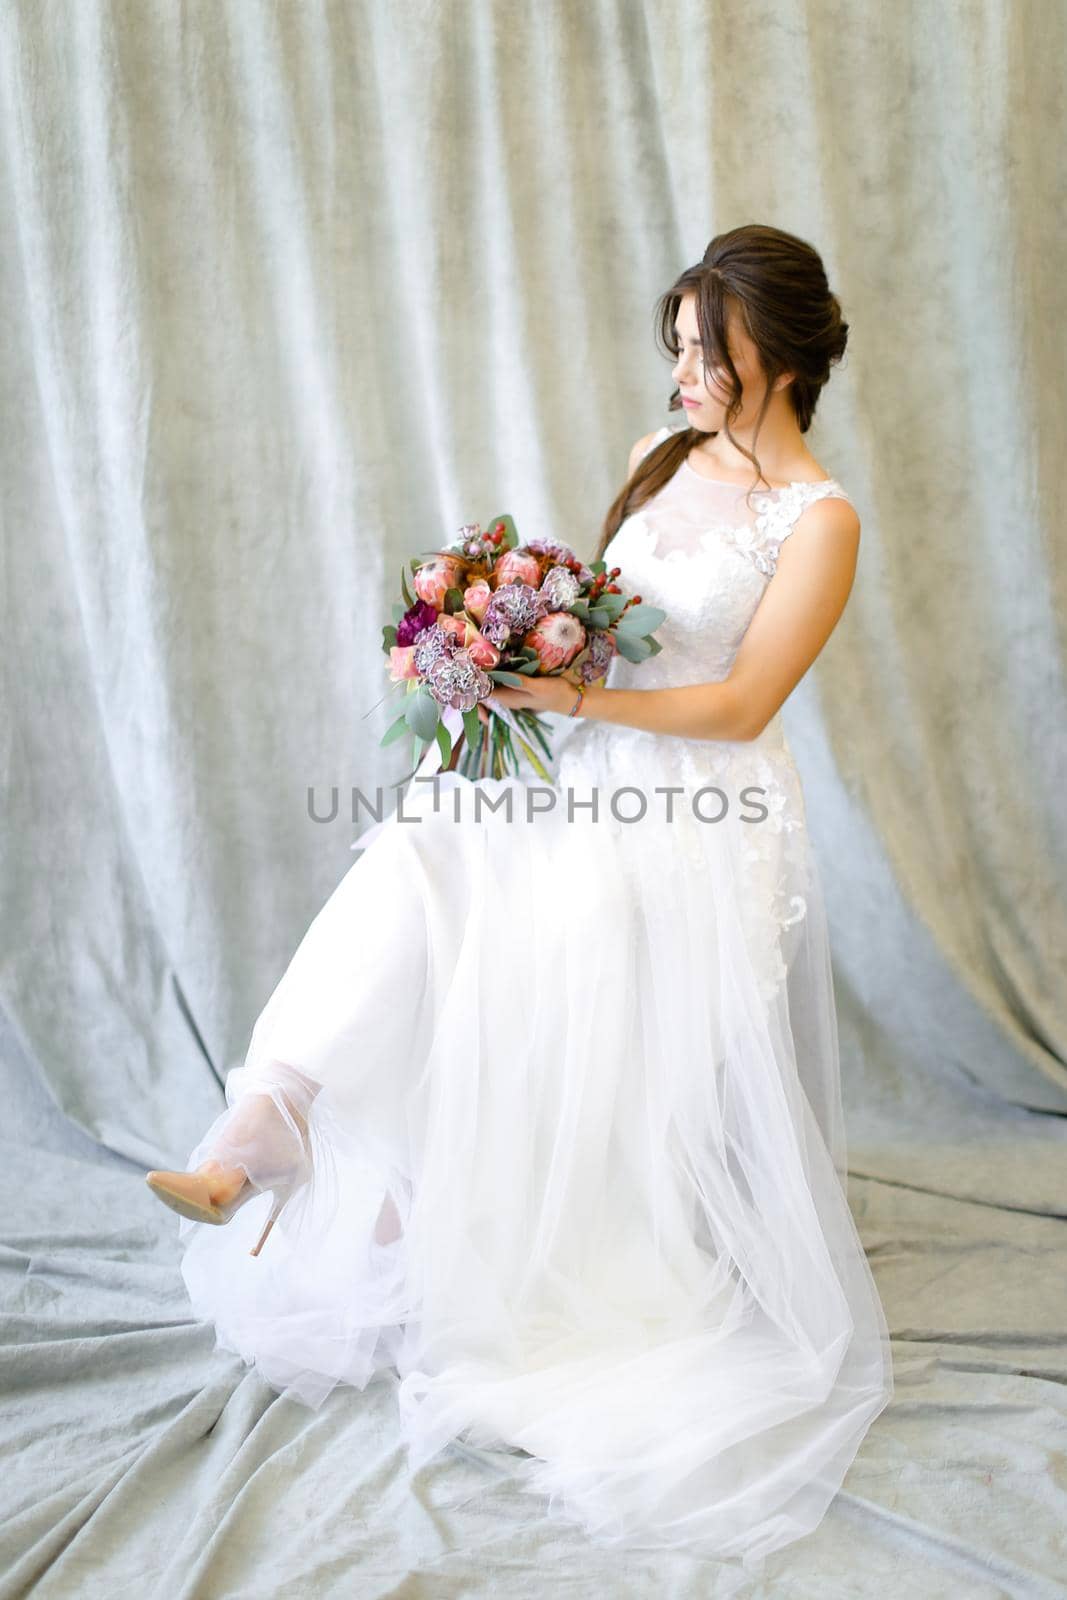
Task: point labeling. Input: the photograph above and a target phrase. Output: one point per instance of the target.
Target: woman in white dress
(548, 1100)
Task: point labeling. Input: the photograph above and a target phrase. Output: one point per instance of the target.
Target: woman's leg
(262, 1133)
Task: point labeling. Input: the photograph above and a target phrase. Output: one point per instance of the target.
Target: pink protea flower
(557, 639)
(402, 663)
(516, 566)
(436, 576)
(476, 598)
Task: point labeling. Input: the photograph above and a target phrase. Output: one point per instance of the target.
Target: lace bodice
(704, 555)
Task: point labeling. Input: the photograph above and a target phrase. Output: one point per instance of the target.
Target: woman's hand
(554, 693)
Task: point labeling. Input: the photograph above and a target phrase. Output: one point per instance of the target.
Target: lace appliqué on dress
(779, 511)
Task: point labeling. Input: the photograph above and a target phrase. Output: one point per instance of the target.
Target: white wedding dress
(573, 1100)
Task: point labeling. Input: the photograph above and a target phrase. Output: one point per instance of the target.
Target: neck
(781, 453)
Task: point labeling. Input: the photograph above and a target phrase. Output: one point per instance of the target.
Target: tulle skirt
(571, 1090)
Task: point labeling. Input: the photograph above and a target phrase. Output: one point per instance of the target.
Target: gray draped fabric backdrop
(291, 290)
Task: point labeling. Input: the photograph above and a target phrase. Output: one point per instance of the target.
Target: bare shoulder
(835, 516)
(639, 450)
(823, 542)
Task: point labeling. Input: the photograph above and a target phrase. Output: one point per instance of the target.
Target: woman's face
(706, 407)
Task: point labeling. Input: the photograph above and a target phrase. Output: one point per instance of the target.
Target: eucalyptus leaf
(444, 744)
(423, 714)
(631, 646)
(394, 730)
(472, 725)
(642, 618)
(511, 678)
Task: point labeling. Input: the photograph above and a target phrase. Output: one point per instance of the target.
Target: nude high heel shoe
(189, 1193)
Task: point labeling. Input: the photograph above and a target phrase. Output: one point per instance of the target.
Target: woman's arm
(798, 612)
(794, 619)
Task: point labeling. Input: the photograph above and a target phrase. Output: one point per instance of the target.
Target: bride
(548, 1099)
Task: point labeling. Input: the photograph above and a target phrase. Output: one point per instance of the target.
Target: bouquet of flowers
(487, 610)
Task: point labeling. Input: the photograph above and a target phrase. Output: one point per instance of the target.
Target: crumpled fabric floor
(146, 1462)
(234, 236)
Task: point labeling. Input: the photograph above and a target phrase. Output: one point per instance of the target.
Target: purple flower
(422, 615)
(560, 588)
(430, 645)
(601, 649)
(456, 681)
(514, 609)
(551, 547)
(559, 552)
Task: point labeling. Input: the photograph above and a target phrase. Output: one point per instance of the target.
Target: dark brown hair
(778, 285)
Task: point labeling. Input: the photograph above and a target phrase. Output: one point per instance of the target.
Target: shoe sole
(183, 1206)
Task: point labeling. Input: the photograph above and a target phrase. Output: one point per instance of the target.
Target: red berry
(615, 572)
(613, 588)
(637, 600)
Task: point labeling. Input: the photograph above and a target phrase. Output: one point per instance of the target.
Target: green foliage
(422, 714)
(444, 743)
(511, 537)
(395, 729)
(642, 619)
(631, 646)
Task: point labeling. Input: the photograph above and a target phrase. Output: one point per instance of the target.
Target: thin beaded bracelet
(577, 706)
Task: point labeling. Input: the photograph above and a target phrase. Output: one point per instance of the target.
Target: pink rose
(481, 652)
(435, 577)
(453, 625)
(557, 639)
(402, 662)
(476, 598)
(515, 566)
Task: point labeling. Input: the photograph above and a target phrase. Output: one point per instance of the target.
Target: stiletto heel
(280, 1197)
